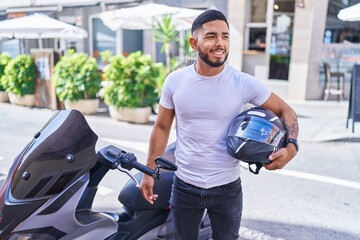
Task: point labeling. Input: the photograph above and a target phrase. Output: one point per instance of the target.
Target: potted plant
(77, 82)
(4, 60)
(19, 80)
(132, 87)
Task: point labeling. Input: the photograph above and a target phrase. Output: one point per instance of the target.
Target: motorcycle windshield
(62, 151)
(257, 129)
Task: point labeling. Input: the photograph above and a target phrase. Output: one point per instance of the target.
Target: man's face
(212, 43)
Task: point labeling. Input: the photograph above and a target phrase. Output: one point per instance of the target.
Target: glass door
(281, 39)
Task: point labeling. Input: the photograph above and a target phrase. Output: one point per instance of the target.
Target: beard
(205, 58)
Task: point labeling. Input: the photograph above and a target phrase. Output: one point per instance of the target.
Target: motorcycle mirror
(165, 164)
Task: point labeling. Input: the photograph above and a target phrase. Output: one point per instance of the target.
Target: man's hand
(146, 189)
(280, 158)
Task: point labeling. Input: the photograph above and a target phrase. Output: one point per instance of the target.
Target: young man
(205, 97)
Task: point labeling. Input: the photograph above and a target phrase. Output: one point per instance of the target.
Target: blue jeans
(223, 203)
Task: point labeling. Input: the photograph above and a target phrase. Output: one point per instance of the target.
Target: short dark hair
(208, 16)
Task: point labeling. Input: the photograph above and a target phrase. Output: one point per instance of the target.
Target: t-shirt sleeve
(166, 99)
(255, 92)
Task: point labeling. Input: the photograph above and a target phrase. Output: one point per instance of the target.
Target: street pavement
(305, 185)
(319, 121)
(322, 121)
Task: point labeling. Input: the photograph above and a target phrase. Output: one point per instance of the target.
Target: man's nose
(219, 42)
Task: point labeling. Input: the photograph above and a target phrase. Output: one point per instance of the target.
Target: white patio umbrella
(39, 26)
(144, 16)
(351, 13)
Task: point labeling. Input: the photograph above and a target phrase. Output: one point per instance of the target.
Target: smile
(218, 52)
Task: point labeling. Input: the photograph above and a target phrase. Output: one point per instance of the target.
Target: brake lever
(127, 172)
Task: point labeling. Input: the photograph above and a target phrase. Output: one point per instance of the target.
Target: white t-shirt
(204, 108)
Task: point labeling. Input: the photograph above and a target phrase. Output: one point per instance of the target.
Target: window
(281, 36)
(102, 39)
(338, 31)
(257, 39)
(256, 26)
(258, 11)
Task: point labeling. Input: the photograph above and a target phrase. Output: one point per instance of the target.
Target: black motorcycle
(51, 185)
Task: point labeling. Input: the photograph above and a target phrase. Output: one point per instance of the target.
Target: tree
(166, 33)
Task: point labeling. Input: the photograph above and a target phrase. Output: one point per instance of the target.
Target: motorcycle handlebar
(114, 157)
(144, 169)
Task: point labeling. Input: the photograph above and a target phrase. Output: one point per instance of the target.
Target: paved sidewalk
(321, 121)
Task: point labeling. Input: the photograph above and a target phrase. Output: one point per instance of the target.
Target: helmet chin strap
(258, 167)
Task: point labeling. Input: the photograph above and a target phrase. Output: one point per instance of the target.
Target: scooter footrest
(87, 217)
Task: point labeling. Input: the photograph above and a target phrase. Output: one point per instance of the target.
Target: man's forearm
(291, 125)
(158, 141)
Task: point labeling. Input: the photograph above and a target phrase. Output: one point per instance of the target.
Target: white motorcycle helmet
(253, 135)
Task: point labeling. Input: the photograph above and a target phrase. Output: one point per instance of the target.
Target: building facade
(284, 43)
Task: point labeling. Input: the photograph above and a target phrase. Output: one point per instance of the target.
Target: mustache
(218, 48)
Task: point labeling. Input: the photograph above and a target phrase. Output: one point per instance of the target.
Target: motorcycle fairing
(48, 233)
(63, 150)
(59, 218)
(60, 153)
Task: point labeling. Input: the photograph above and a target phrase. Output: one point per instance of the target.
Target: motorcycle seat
(131, 197)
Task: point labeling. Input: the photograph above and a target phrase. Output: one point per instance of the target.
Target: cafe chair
(334, 83)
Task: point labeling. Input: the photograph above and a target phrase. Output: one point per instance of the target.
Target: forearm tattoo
(292, 128)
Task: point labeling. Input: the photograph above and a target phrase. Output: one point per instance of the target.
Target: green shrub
(76, 77)
(4, 60)
(132, 81)
(19, 75)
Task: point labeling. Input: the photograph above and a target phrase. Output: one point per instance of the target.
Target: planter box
(134, 115)
(27, 100)
(4, 96)
(85, 106)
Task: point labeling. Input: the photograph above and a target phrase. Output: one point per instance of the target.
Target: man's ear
(193, 42)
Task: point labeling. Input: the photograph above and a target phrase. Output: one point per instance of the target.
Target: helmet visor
(257, 129)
